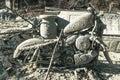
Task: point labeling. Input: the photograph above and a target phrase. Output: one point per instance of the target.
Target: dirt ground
(101, 71)
(112, 72)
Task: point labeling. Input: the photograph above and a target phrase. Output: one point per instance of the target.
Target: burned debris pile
(52, 47)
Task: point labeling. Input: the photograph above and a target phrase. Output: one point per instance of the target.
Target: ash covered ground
(11, 69)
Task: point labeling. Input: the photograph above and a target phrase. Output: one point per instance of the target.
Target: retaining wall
(112, 32)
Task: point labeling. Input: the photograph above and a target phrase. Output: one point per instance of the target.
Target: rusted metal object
(80, 47)
(82, 22)
(71, 39)
(48, 27)
(32, 43)
(85, 58)
(83, 43)
(28, 42)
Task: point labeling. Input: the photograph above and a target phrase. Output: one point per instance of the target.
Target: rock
(19, 19)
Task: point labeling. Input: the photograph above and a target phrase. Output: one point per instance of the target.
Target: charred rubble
(34, 50)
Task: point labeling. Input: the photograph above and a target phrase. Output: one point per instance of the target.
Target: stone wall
(113, 43)
(112, 31)
(112, 22)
